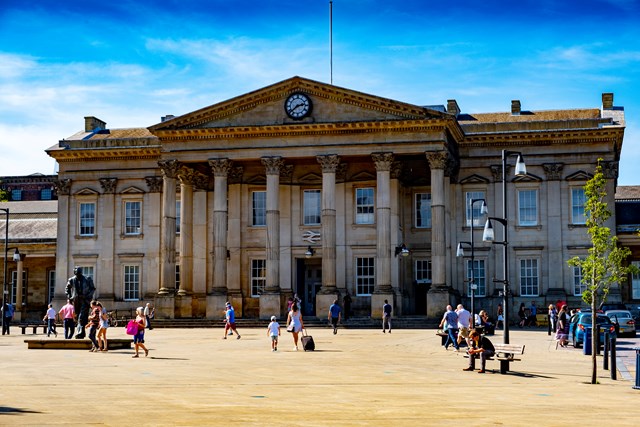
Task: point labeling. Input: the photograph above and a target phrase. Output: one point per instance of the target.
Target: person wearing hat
(273, 331)
(230, 321)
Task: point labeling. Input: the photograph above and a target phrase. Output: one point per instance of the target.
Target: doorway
(309, 281)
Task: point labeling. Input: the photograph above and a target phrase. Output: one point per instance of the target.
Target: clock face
(297, 106)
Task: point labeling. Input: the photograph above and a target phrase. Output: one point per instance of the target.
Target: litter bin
(586, 344)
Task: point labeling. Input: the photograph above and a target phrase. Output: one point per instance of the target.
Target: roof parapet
(607, 101)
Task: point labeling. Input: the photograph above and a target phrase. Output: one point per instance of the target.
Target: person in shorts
(464, 324)
(334, 316)
(230, 321)
(273, 331)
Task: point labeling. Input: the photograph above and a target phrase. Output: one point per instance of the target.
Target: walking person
(230, 321)
(138, 338)
(273, 331)
(68, 314)
(149, 313)
(562, 330)
(7, 314)
(94, 323)
(386, 316)
(553, 318)
(295, 324)
(449, 323)
(464, 323)
(334, 316)
(50, 318)
(103, 345)
(500, 317)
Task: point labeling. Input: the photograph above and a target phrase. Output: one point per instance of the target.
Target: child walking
(273, 331)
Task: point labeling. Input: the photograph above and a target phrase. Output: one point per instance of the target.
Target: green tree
(4, 195)
(605, 264)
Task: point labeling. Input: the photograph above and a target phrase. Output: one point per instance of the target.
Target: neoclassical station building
(305, 187)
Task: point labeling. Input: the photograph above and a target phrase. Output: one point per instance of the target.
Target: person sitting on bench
(481, 347)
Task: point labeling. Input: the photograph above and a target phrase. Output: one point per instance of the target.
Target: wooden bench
(507, 353)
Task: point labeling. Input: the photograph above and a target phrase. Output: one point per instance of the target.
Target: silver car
(625, 321)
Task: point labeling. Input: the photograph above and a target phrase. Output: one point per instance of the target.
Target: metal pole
(505, 268)
(605, 356)
(4, 278)
(472, 276)
(637, 386)
(614, 369)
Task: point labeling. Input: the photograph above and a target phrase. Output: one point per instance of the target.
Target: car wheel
(575, 343)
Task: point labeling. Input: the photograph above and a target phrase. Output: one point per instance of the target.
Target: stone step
(75, 344)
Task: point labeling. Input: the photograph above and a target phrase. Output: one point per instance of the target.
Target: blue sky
(131, 62)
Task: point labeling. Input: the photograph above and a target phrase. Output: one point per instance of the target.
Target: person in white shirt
(50, 318)
(464, 323)
(273, 331)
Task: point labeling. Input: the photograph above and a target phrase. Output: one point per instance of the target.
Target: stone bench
(76, 344)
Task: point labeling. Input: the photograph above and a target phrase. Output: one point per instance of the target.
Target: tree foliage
(605, 264)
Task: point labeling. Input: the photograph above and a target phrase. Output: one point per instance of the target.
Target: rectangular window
(578, 201)
(479, 277)
(14, 288)
(87, 271)
(132, 217)
(312, 207)
(529, 277)
(635, 282)
(365, 206)
(178, 213)
(87, 219)
(16, 195)
(477, 216)
(131, 282)
(578, 286)
(51, 278)
(423, 210)
(259, 208)
(177, 276)
(423, 271)
(365, 276)
(527, 207)
(45, 194)
(258, 276)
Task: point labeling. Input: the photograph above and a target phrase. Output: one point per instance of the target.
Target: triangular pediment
(363, 176)
(474, 179)
(266, 107)
(87, 192)
(529, 177)
(132, 190)
(311, 178)
(579, 176)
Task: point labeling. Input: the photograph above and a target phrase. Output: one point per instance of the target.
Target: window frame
(129, 293)
(82, 220)
(48, 192)
(582, 216)
(178, 215)
(258, 208)
(14, 287)
(362, 217)
(527, 222)
(51, 285)
(477, 207)
(635, 282)
(479, 276)
(578, 285)
(365, 283)
(258, 276)
(136, 222)
(309, 211)
(423, 272)
(422, 217)
(529, 289)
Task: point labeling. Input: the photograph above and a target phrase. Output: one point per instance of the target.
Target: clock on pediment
(298, 105)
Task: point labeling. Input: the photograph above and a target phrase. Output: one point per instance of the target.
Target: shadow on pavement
(8, 410)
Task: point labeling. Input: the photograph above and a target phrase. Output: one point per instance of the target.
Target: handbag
(290, 327)
(132, 327)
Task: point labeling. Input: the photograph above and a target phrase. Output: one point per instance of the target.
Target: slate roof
(35, 221)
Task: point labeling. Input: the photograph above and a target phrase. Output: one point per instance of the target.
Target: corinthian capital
(383, 161)
(220, 167)
(272, 164)
(438, 159)
(329, 162)
(169, 168)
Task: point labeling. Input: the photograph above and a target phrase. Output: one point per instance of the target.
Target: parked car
(606, 306)
(582, 320)
(624, 319)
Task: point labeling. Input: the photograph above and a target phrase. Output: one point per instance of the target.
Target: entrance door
(312, 285)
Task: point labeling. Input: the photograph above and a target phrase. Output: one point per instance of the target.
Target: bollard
(605, 358)
(586, 342)
(637, 386)
(548, 325)
(614, 370)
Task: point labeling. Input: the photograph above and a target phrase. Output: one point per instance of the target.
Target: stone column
(18, 314)
(270, 299)
(153, 223)
(553, 172)
(439, 295)
(218, 294)
(383, 289)
(328, 291)
(187, 178)
(107, 288)
(168, 238)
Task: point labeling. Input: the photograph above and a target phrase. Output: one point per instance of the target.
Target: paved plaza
(355, 378)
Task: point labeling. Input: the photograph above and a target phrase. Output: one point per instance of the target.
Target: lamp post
(460, 253)
(16, 257)
(488, 236)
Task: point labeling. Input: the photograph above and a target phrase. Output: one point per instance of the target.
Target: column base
(183, 292)
(437, 300)
(270, 305)
(163, 292)
(184, 306)
(324, 301)
(165, 307)
(216, 307)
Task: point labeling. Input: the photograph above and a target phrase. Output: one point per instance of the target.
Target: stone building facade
(304, 187)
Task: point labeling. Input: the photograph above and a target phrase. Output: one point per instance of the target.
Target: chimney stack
(452, 107)
(93, 124)
(515, 107)
(607, 101)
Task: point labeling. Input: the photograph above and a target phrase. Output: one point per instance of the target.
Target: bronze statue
(80, 291)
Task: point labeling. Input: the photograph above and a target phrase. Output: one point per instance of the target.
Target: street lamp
(489, 235)
(16, 257)
(460, 253)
